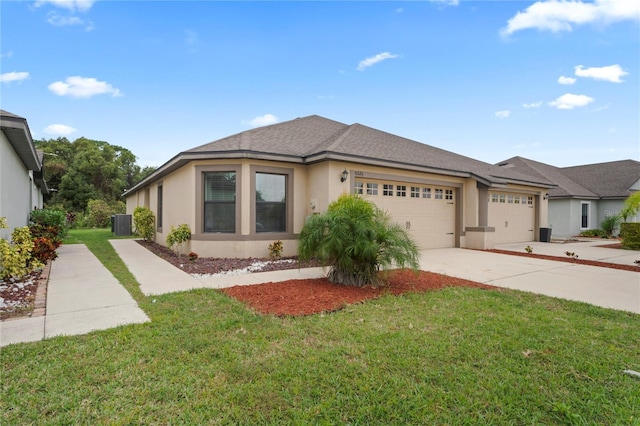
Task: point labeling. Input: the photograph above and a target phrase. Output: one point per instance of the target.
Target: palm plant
(357, 239)
(631, 206)
(610, 224)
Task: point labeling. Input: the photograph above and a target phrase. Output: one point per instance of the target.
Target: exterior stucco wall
(565, 216)
(18, 192)
(315, 186)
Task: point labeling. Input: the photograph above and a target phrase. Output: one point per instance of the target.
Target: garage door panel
(512, 216)
(429, 221)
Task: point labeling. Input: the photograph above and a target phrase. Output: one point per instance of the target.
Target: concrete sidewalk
(156, 276)
(82, 296)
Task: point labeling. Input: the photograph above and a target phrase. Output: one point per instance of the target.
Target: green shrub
(275, 250)
(144, 222)
(99, 212)
(593, 233)
(630, 233)
(50, 218)
(610, 224)
(178, 236)
(357, 239)
(15, 257)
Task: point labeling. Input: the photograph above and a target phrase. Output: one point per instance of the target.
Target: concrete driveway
(606, 287)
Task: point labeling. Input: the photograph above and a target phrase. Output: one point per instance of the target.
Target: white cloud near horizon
(59, 129)
(72, 5)
(532, 105)
(366, 63)
(447, 2)
(503, 114)
(571, 101)
(610, 73)
(82, 87)
(556, 16)
(261, 120)
(9, 77)
(566, 80)
(67, 21)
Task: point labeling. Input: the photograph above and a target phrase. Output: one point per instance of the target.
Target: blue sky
(556, 82)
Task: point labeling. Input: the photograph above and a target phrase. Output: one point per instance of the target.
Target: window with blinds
(220, 202)
(271, 202)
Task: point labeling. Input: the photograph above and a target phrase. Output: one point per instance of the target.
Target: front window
(372, 188)
(401, 190)
(271, 202)
(159, 218)
(220, 202)
(415, 192)
(584, 219)
(387, 190)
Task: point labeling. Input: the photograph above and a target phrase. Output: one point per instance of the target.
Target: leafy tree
(87, 169)
(357, 239)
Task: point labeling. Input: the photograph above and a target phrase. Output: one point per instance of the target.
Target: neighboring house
(585, 195)
(22, 184)
(240, 193)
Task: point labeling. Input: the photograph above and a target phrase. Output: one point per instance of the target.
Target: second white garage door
(513, 217)
(427, 211)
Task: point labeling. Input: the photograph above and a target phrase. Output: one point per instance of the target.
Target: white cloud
(81, 87)
(533, 105)
(8, 77)
(556, 16)
(65, 21)
(610, 73)
(59, 129)
(503, 114)
(375, 59)
(446, 2)
(262, 120)
(566, 80)
(72, 5)
(571, 101)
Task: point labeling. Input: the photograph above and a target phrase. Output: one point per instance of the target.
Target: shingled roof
(602, 180)
(312, 139)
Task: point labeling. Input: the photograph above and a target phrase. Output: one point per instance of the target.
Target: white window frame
(372, 188)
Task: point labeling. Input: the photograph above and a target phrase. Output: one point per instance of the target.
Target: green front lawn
(457, 356)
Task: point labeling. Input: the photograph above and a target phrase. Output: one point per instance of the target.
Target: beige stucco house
(22, 184)
(240, 193)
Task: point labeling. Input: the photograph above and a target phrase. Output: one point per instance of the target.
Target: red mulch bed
(311, 296)
(579, 261)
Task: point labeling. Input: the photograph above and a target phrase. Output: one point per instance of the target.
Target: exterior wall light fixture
(344, 176)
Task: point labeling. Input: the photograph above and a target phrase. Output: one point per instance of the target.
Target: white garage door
(513, 216)
(427, 211)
